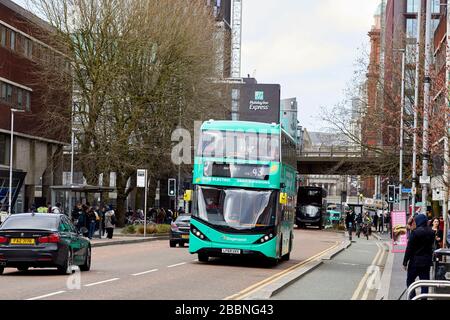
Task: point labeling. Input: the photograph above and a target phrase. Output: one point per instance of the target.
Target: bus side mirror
(187, 195)
(283, 198)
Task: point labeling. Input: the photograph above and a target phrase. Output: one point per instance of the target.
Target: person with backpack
(110, 222)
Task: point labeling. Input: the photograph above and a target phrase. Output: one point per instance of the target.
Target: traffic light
(391, 193)
(172, 190)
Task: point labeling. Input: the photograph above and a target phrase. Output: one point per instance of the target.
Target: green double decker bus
(244, 197)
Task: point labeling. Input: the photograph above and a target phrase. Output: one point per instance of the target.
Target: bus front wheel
(203, 257)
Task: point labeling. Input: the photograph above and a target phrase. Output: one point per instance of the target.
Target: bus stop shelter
(69, 195)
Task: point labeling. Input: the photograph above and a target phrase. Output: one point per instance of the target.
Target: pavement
(120, 239)
(393, 281)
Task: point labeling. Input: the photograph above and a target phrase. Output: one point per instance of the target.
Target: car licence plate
(231, 251)
(185, 236)
(22, 241)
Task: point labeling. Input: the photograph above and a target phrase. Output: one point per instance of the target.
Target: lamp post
(416, 107)
(402, 108)
(11, 152)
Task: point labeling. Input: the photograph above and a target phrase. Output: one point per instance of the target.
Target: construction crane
(236, 39)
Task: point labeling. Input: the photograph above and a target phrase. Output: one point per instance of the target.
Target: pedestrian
(359, 221)
(388, 224)
(76, 212)
(438, 234)
(57, 208)
(381, 222)
(349, 223)
(110, 222)
(102, 223)
(411, 225)
(91, 220)
(419, 252)
(49, 207)
(375, 221)
(82, 223)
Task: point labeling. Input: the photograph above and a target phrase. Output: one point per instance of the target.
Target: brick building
(37, 153)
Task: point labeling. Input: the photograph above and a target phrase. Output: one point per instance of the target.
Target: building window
(412, 6)
(4, 150)
(9, 93)
(411, 28)
(20, 98)
(12, 40)
(15, 96)
(410, 53)
(434, 24)
(27, 101)
(3, 36)
(436, 6)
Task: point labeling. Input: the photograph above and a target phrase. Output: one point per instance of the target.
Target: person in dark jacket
(82, 223)
(419, 252)
(350, 223)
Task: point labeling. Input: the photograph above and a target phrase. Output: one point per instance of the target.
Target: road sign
(425, 180)
(141, 174)
(406, 190)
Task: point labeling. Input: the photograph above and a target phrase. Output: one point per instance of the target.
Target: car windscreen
(30, 223)
(183, 219)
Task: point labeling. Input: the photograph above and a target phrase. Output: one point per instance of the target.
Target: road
(154, 271)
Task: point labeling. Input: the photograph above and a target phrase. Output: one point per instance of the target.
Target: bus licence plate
(231, 251)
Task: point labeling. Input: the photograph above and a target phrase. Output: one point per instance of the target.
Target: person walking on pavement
(349, 223)
(82, 225)
(419, 252)
(110, 222)
(381, 223)
(91, 220)
(375, 221)
(438, 234)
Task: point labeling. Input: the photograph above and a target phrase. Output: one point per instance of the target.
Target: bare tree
(138, 69)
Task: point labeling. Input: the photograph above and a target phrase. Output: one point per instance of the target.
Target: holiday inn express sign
(260, 103)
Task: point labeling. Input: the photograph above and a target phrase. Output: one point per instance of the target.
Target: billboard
(260, 103)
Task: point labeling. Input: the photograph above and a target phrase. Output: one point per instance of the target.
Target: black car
(41, 240)
(179, 230)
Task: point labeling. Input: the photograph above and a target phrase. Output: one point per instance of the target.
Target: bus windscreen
(239, 145)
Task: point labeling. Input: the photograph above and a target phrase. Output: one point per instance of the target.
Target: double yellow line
(258, 286)
(363, 283)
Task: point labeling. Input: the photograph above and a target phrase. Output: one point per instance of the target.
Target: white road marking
(47, 295)
(101, 282)
(363, 281)
(145, 272)
(176, 265)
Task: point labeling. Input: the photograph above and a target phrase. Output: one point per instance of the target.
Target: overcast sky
(309, 47)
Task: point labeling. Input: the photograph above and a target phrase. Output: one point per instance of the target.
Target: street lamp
(403, 51)
(11, 152)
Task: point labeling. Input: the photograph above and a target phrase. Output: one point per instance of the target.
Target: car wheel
(1, 270)
(173, 244)
(66, 268)
(203, 257)
(87, 262)
(23, 268)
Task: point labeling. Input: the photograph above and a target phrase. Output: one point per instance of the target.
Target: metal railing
(430, 284)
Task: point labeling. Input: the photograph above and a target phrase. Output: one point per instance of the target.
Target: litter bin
(441, 268)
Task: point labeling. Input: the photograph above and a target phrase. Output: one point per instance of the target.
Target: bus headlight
(267, 237)
(198, 234)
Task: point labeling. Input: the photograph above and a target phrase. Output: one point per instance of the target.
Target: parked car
(40, 240)
(179, 231)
